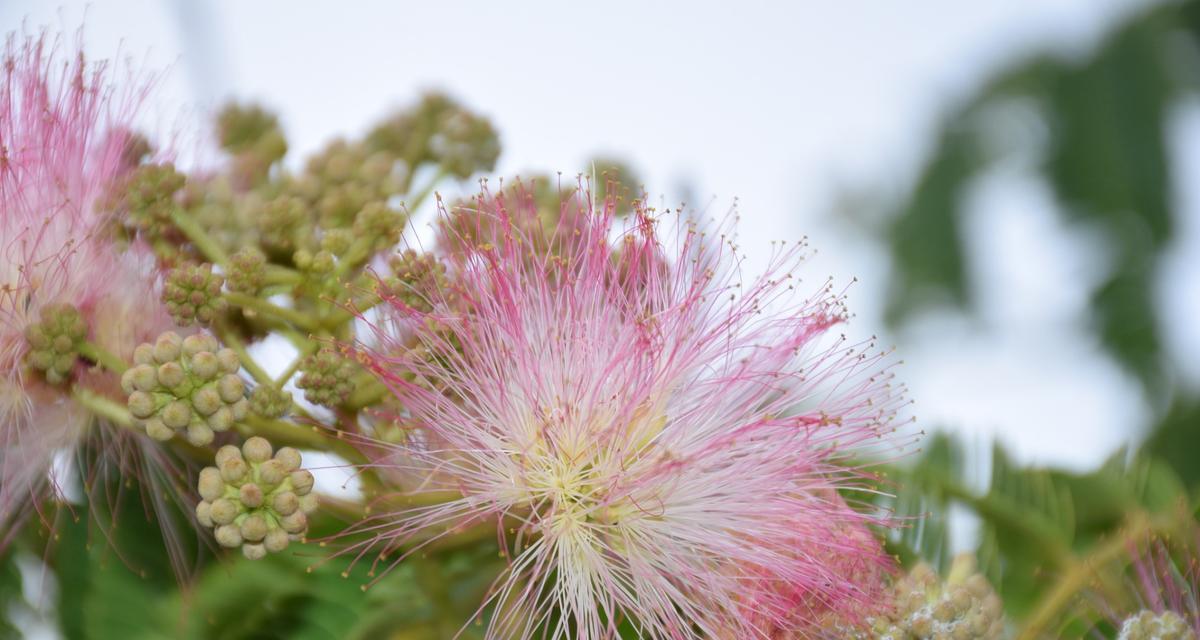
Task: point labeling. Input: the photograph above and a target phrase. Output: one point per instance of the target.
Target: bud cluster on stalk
(1148, 625)
(54, 341)
(185, 386)
(192, 294)
(255, 500)
(327, 378)
(963, 607)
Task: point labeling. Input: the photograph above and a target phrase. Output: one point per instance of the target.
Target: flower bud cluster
(192, 294)
(438, 129)
(269, 402)
(327, 378)
(54, 341)
(343, 179)
(963, 607)
(1148, 625)
(254, 500)
(247, 271)
(251, 129)
(415, 277)
(283, 224)
(150, 197)
(185, 385)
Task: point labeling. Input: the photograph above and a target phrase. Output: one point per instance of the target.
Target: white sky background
(778, 104)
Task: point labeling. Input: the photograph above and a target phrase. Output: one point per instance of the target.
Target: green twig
(287, 433)
(200, 238)
(234, 342)
(103, 407)
(103, 357)
(258, 305)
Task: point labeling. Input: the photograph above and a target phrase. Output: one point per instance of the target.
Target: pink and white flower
(63, 145)
(660, 445)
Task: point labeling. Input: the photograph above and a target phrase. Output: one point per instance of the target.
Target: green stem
(103, 357)
(367, 391)
(425, 191)
(266, 308)
(1049, 545)
(288, 433)
(199, 237)
(277, 275)
(1083, 572)
(103, 407)
(234, 342)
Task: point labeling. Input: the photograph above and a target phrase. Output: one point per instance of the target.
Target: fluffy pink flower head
(662, 446)
(63, 144)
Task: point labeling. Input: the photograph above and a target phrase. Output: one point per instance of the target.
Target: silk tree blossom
(660, 445)
(64, 143)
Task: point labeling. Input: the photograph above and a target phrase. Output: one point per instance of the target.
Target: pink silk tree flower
(64, 144)
(662, 447)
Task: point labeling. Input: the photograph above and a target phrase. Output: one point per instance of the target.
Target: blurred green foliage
(1105, 153)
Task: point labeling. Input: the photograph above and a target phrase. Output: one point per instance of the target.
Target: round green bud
(141, 404)
(211, 484)
(205, 365)
(229, 361)
(157, 430)
(289, 458)
(221, 419)
(309, 503)
(302, 481)
(294, 523)
(143, 354)
(254, 528)
(286, 503)
(250, 495)
(207, 400)
(228, 535)
(256, 449)
(223, 511)
(167, 347)
(231, 388)
(254, 551)
(171, 374)
(271, 473)
(276, 540)
(199, 434)
(234, 470)
(176, 414)
(225, 453)
(204, 513)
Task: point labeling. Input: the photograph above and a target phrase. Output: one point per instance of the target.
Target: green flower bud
(211, 484)
(185, 386)
(192, 294)
(251, 499)
(54, 341)
(326, 378)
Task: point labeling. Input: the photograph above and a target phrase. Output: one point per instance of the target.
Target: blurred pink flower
(64, 140)
(660, 445)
